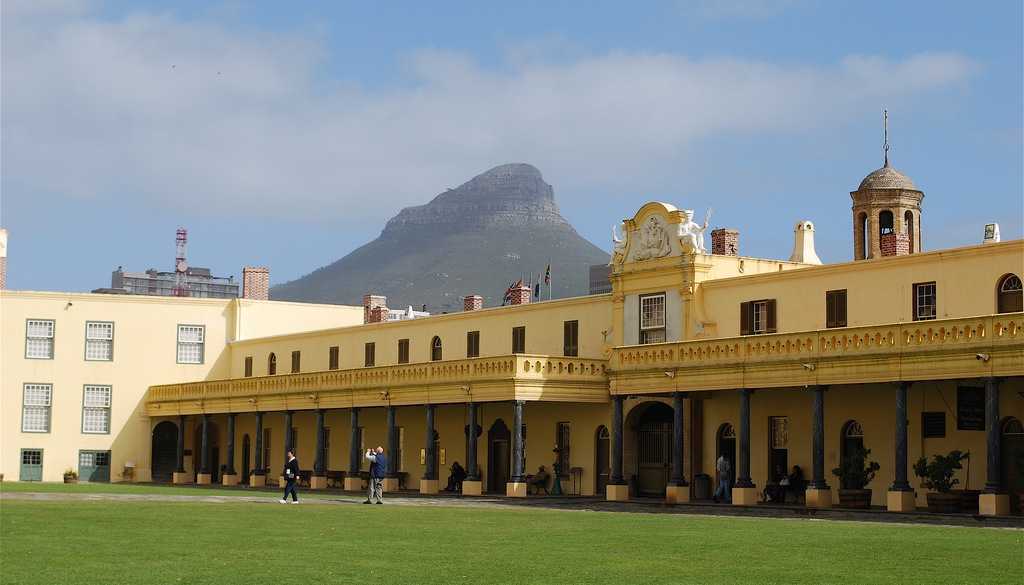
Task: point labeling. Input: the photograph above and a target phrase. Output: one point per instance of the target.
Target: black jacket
(291, 469)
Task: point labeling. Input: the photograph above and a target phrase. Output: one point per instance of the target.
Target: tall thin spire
(885, 133)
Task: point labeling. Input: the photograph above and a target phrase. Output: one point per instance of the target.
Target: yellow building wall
(144, 353)
(263, 318)
(878, 291)
(543, 322)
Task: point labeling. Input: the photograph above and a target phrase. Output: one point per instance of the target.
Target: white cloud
(190, 113)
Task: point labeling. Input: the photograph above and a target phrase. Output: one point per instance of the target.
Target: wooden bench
(536, 486)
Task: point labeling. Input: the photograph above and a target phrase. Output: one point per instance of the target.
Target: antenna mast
(885, 134)
(180, 265)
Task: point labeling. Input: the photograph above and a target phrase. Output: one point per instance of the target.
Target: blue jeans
(289, 488)
(724, 490)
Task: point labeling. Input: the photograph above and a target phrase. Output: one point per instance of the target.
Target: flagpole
(549, 279)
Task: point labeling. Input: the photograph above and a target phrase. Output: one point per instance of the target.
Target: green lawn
(247, 542)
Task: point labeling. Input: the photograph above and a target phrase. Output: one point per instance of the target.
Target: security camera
(810, 367)
(984, 357)
(670, 374)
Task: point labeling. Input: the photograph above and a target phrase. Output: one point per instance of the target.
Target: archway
(214, 447)
(1009, 294)
(1011, 454)
(246, 455)
(850, 441)
(908, 218)
(651, 424)
(725, 440)
(602, 462)
(499, 456)
(165, 451)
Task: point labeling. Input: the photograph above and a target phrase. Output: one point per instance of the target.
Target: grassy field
(139, 542)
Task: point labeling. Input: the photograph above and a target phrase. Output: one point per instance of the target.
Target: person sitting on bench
(797, 484)
(539, 481)
(455, 479)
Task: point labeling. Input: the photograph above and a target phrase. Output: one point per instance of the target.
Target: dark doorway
(778, 448)
(165, 451)
(652, 424)
(499, 456)
(851, 441)
(1011, 451)
(246, 454)
(726, 439)
(197, 448)
(602, 464)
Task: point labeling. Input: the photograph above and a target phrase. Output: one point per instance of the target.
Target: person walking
(291, 476)
(378, 467)
(724, 469)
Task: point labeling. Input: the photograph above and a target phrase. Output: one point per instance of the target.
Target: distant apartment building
(200, 283)
(600, 279)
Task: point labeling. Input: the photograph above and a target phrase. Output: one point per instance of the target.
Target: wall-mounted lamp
(984, 357)
(385, 395)
(69, 305)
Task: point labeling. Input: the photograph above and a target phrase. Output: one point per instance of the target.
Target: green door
(94, 466)
(31, 465)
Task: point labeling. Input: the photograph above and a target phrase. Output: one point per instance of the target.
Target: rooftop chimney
(472, 303)
(803, 244)
(991, 235)
(520, 294)
(371, 302)
(725, 242)
(256, 283)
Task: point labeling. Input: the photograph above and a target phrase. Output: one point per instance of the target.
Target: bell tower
(886, 211)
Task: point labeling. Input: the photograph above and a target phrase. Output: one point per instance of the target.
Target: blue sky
(287, 135)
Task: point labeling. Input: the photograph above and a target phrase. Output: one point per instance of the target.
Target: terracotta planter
(855, 498)
(945, 503)
(70, 480)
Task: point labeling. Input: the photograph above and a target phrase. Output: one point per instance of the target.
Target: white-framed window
(37, 400)
(96, 409)
(924, 301)
(191, 339)
(39, 339)
(652, 318)
(760, 316)
(99, 341)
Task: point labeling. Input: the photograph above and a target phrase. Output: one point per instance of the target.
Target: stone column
(819, 494)
(472, 486)
(428, 484)
(900, 497)
(230, 476)
(259, 474)
(352, 480)
(677, 490)
(319, 479)
(745, 492)
(391, 474)
(618, 489)
(287, 442)
(180, 476)
(517, 483)
(995, 501)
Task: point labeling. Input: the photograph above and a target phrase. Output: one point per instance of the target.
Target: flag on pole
(536, 290)
(547, 275)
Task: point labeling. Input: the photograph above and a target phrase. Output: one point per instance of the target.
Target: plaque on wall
(970, 408)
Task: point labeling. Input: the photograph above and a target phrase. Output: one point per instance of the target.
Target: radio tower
(180, 266)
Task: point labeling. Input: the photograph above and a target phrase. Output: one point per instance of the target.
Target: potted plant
(855, 472)
(70, 476)
(937, 475)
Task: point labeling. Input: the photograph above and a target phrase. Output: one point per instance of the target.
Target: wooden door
(654, 456)
(602, 463)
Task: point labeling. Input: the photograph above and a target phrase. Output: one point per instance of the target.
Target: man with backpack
(378, 467)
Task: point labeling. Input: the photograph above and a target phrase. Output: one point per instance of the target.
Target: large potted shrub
(70, 476)
(937, 475)
(855, 472)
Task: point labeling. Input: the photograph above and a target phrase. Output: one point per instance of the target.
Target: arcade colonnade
(769, 428)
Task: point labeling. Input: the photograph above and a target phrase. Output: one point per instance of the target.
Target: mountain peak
(498, 226)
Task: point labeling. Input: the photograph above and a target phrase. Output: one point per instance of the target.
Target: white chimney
(803, 244)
